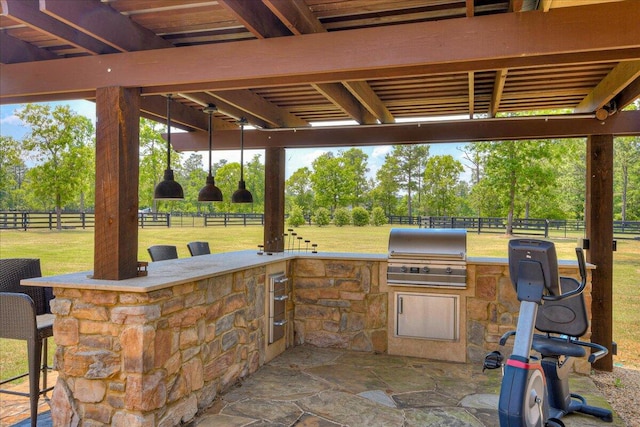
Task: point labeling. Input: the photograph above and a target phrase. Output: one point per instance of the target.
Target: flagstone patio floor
(309, 386)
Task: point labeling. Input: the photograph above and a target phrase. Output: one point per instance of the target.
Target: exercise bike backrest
(562, 310)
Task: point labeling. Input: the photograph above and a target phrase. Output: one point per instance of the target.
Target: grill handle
(400, 305)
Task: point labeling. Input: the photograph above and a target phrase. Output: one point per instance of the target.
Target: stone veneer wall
(338, 304)
(494, 309)
(154, 359)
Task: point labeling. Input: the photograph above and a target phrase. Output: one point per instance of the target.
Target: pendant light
(210, 193)
(168, 188)
(242, 195)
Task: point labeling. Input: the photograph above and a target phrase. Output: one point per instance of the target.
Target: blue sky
(10, 125)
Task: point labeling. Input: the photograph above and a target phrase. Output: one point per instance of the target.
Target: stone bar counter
(154, 350)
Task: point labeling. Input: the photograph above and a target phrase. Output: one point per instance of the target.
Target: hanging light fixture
(242, 195)
(210, 193)
(168, 188)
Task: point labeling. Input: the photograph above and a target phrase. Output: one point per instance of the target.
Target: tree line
(53, 168)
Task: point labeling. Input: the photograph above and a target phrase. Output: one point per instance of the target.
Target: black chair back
(12, 270)
(198, 248)
(162, 252)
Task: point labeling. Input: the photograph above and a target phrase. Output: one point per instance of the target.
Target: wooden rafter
(472, 97)
(619, 78)
(14, 50)
(498, 87)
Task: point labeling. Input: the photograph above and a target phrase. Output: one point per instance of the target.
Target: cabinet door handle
(281, 280)
(281, 298)
(279, 323)
(400, 305)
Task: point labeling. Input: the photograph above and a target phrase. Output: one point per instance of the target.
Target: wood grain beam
(117, 173)
(97, 19)
(513, 128)
(555, 37)
(338, 95)
(203, 99)
(470, 8)
(182, 116)
(274, 179)
(370, 100)
(14, 50)
(257, 18)
(620, 77)
(28, 13)
(498, 88)
(472, 94)
(628, 94)
(256, 105)
(296, 16)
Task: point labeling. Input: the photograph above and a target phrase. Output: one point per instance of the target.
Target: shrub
(341, 217)
(378, 217)
(296, 217)
(360, 216)
(322, 217)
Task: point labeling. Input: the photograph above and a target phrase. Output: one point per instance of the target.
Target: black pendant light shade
(242, 195)
(210, 193)
(168, 189)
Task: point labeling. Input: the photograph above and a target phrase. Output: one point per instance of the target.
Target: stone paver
(315, 387)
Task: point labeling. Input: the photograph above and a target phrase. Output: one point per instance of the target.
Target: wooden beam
(498, 87)
(117, 157)
(14, 50)
(182, 116)
(28, 13)
(338, 95)
(512, 128)
(257, 18)
(599, 231)
(250, 102)
(619, 78)
(204, 99)
(628, 94)
(370, 100)
(470, 8)
(274, 167)
(296, 16)
(559, 36)
(98, 20)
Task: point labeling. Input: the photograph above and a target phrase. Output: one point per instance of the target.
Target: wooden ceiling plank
(621, 76)
(182, 117)
(28, 13)
(349, 58)
(254, 104)
(470, 8)
(256, 17)
(300, 20)
(339, 96)
(14, 50)
(512, 128)
(472, 93)
(370, 100)
(498, 88)
(98, 20)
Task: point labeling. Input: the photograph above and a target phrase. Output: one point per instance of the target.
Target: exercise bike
(535, 390)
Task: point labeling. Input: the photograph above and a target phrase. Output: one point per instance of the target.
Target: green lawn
(72, 250)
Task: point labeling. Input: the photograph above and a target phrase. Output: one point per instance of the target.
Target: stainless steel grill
(427, 257)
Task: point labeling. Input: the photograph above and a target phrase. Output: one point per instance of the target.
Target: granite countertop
(163, 274)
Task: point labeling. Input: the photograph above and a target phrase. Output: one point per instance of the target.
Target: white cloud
(381, 151)
(11, 120)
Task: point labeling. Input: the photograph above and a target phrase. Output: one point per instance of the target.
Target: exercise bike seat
(556, 346)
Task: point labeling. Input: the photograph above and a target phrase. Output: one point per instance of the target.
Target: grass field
(72, 251)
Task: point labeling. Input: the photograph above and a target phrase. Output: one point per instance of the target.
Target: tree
(56, 141)
(342, 217)
(12, 171)
(441, 177)
(360, 216)
(298, 189)
(517, 171)
(322, 217)
(254, 176)
(385, 193)
(330, 181)
(296, 216)
(626, 159)
(193, 178)
(407, 163)
(355, 164)
(378, 217)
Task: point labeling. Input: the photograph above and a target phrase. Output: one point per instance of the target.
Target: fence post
(546, 228)
(25, 220)
(50, 221)
(168, 220)
(479, 224)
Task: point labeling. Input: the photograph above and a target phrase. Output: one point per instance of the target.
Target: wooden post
(274, 165)
(117, 151)
(599, 230)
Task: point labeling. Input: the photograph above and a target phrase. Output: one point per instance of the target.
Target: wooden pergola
(284, 64)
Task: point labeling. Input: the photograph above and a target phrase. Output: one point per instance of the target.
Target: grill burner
(427, 257)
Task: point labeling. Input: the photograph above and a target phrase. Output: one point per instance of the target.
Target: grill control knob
(404, 269)
(449, 270)
(425, 269)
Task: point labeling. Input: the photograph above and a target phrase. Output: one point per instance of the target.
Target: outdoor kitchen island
(153, 350)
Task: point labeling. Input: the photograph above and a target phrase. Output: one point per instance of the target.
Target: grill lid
(427, 243)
